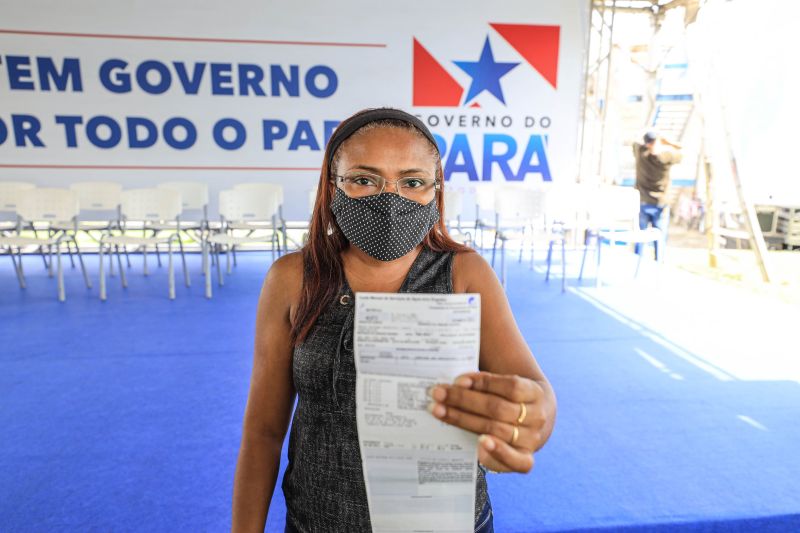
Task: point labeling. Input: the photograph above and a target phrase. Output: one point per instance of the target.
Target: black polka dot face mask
(386, 226)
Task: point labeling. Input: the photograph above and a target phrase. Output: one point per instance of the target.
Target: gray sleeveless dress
(324, 484)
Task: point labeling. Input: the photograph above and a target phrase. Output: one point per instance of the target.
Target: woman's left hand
(513, 416)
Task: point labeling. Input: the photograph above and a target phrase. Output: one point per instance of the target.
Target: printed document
(419, 472)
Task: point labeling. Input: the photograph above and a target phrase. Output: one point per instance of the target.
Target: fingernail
(486, 442)
(436, 409)
(463, 381)
(438, 394)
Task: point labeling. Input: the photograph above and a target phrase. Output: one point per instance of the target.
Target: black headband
(343, 132)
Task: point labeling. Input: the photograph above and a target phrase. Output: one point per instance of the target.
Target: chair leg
(549, 259)
(597, 275)
(144, 261)
(21, 269)
(44, 258)
(14, 262)
(158, 256)
(503, 263)
(522, 246)
(69, 251)
(41, 253)
(220, 281)
(206, 267)
(50, 262)
(563, 263)
(60, 276)
(170, 272)
(103, 273)
(127, 257)
(479, 225)
(233, 251)
(228, 260)
(583, 259)
(531, 265)
(494, 245)
(186, 280)
(17, 268)
(204, 255)
(122, 275)
(83, 266)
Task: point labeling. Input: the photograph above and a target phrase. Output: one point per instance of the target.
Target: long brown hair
(323, 273)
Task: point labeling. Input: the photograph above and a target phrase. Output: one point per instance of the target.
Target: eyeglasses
(420, 190)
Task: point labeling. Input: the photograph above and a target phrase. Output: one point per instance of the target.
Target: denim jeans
(485, 523)
(658, 217)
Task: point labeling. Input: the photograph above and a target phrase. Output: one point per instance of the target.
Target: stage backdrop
(242, 91)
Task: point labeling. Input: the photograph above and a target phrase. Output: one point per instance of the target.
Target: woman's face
(392, 154)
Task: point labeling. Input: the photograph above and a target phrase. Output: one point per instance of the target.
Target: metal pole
(595, 90)
(608, 85)
(711, 215)
(750, 218)
(585, 96)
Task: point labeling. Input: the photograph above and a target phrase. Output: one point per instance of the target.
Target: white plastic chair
(453, 211)
(484, 210)
(44, 205)
(98, 196)
(269, 189)
(312, 200)
(453, 206)
(301, 224)
(194, 201)
(517, 211)
(614, 218)
(10, 192)
(278, 225)
(239, 208)
(197, 200)
(194, 197)
(145, 206)
(565, 211)
(101, 199)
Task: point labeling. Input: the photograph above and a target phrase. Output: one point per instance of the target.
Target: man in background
(653, 161)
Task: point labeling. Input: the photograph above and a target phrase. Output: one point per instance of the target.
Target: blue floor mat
(126, 415)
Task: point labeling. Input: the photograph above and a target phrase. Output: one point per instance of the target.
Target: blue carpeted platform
(126, 415)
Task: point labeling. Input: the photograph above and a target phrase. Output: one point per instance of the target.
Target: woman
(376, 227)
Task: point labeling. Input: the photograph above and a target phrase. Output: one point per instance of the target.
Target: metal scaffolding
(595, 104)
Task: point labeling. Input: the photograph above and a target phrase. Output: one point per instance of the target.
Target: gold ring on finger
(514, 436)
(523, 412)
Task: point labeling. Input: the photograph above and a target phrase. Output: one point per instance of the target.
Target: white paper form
(419, 472)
